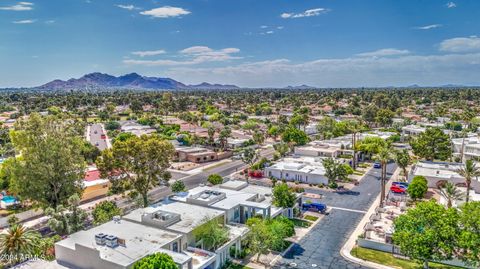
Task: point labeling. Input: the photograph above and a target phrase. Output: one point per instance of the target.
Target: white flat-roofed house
(239, 202)
(301, 170)
(471, 147)
(412, 130)
(184, 219)
(136, 128)
(437, 173)
(117, 245)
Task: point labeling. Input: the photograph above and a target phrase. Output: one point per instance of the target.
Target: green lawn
(301, 223)
(310, 218)
(389, 260)
(237, 266)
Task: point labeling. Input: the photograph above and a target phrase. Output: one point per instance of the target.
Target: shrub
(418, 188)
(215, 179)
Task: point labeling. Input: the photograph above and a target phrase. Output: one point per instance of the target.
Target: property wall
(82, 258)
(295, 176)
(96, 191)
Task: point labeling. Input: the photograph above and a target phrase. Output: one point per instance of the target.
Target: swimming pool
(9, 199)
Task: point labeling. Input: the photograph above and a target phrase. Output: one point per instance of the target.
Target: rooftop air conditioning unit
(100, 239)
(111, 241)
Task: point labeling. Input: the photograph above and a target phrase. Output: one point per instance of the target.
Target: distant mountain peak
(99, 80)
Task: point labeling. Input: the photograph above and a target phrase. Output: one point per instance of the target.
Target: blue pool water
(9, 199)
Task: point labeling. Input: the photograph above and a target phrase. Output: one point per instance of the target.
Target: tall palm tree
(451, 193)
(383, 156)
(469, 171)
(18, 242)
(402, 158)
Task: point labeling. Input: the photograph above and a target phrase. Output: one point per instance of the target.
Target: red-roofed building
(93, 185)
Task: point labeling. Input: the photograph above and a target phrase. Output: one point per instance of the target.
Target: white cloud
(451, 5)
(383, 53)
(165, 12)
(263, 27)
(20, 6)
(24, 22)
(193, 55)
(280, 27)
(148, 53)
(461, 44)
(50, 21)
(128, 7)
(428, 27)
(343, 72)
(306, 13)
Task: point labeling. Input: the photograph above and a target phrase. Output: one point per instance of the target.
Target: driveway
(321, 247)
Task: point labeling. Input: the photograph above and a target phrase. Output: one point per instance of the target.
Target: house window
(198, 159)
(175, 247)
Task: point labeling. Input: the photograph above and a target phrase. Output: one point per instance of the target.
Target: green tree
(281, 148)
(18, 242)
(371, 145)
(105, 211)
(212, 233)
(402, 159)
(427, 232)
(178, 186)
(283, 196)
(384, 155)
(225, 133)
(280, 228)
(137, 164)
(469, 238)
(418, 188)
(51, 167)
(211, 134)
(156, 261)
(295, 136)
(258, 137)
(259, 238)
(432, 144)
(384, 117)
(69, 219)
(274, 131)
(451, 193)
(112, 125)
(215, 179)
(469, 171)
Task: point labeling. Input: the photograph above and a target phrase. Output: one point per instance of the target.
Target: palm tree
(451, 193)
(402, 158)
(469, 171)
(18, 242)
(384, 155)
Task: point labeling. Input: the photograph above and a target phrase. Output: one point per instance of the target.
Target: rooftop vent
(111, 241)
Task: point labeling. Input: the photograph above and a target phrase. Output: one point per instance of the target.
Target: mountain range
(128, 81)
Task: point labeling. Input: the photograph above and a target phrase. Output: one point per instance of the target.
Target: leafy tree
(112, 125)
(402, 159)
(178, 186)
(212, 233)
(280, 228)
(294, 135)
(274, 131)
(469, 237)
(18, 242)
(259, 238)
(156, 261)
(89, 152)
(215, 179)
(105, 211)
(67, 220)
(281, 148)
(384, 117)
(137, 164)
(427, 232)
(432, 144)
(223, 136)
(249, 156)
(418, 188)
(283, 196)
(371, 145)
(51, 167)
(211, 134)
(469, 171)
(451, 193)
(258, 137)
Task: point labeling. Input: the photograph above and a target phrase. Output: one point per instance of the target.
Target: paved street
(321, 247)
(95, 136)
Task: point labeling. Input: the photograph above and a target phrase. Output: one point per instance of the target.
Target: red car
(396, 189)
(103, 136)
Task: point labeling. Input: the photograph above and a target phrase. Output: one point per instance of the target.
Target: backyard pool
(9, 199)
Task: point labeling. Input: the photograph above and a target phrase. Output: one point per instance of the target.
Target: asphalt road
(95, 136)
(320, 248)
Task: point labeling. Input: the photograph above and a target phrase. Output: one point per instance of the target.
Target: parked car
(397, 189)
(103, 136)
(316, 207)
(377, 165)
(405, 184)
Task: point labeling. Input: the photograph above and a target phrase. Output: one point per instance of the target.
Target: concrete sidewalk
(351, 242)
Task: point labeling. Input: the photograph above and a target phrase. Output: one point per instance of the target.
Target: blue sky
(252, 43)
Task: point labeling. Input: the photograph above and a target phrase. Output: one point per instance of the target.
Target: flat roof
(140, 240)
(191, 216)
(233, 198)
